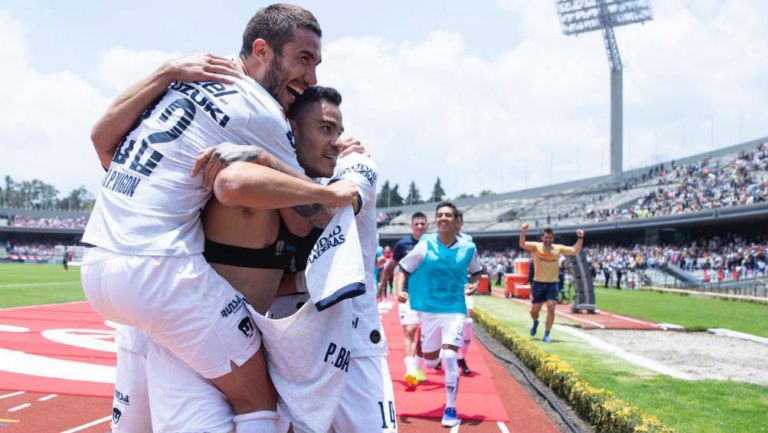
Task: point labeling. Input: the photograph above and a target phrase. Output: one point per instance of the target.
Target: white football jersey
(148, 203)
(369, 336)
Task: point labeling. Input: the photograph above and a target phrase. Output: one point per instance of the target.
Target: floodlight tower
(581, 16)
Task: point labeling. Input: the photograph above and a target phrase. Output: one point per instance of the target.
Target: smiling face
(317, 128)
(445, 220)
(292, 70)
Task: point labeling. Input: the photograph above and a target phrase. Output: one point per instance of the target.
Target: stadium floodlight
(582, 16)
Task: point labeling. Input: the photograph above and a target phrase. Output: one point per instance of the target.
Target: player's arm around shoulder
(128, 107)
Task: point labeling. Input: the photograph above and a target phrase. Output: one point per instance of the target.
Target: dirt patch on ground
(700, 354)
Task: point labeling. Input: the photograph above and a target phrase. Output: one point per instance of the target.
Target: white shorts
(470, 301)
(407, 315)
(183, 401)
(438, 329)
(368, 402)
(180, 302)
(130, 405)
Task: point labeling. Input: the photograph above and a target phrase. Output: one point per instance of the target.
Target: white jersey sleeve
(362, 172)
(148, 203)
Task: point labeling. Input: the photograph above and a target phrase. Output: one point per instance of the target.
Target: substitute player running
(546, 256)
(409, 319)
(436, 270)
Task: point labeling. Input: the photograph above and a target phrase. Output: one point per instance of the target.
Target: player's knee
(449, 355)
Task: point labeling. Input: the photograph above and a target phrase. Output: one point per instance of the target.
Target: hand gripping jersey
(369, 336)
(148, 203)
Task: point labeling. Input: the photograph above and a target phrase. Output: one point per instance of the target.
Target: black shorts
(544, 292)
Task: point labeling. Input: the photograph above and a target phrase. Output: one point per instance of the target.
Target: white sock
(420, 362)
(262, 421)
(451, 368)
(467, 338)
(410, 364)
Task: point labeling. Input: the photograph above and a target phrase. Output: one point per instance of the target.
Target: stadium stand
(40, 236)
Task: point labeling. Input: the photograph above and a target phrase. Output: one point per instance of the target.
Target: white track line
(502, 427)
(90, 424)
(13, 394)
(19, 407)
(569, 316)
(42, 305)
(48, 397)
(630, 319)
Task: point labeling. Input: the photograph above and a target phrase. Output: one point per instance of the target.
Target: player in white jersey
(146, 269)
(409, 319)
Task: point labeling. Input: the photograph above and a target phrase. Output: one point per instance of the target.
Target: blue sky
(486, 95)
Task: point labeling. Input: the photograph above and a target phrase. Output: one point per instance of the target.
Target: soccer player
(409, 319)
(470, 300)
(546, 265)
(146, 268)
(436, 272)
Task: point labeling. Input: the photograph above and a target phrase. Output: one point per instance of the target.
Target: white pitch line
(13, 394)
(502, 427)
(629, 356)
(85, 426)
(19, 407)
(48, 397)
(54, 283)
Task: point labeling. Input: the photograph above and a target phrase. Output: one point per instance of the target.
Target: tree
(438, 194)
(486, 192)
(79, 199)
(396, 199)
(413, 197)
(464, 195)
(383, 198)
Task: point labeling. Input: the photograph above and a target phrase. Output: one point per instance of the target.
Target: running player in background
(470, 301)
(409, 319)
(546, 265)
(436, 273)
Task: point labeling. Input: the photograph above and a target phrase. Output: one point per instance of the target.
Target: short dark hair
(460, 215)
(448, 204)
(548, 231)
(311, 95)
(418, 215)
(276, 24)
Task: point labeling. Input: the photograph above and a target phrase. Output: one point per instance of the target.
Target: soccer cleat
(420, 375)
(411, 379)
(547, 339)
(449, 417)
(439, 366)
(534, 328)
(464, 368)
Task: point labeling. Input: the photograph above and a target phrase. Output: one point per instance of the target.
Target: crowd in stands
(699, 186)
(29, 251)
(710, 260)
(54, 222)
